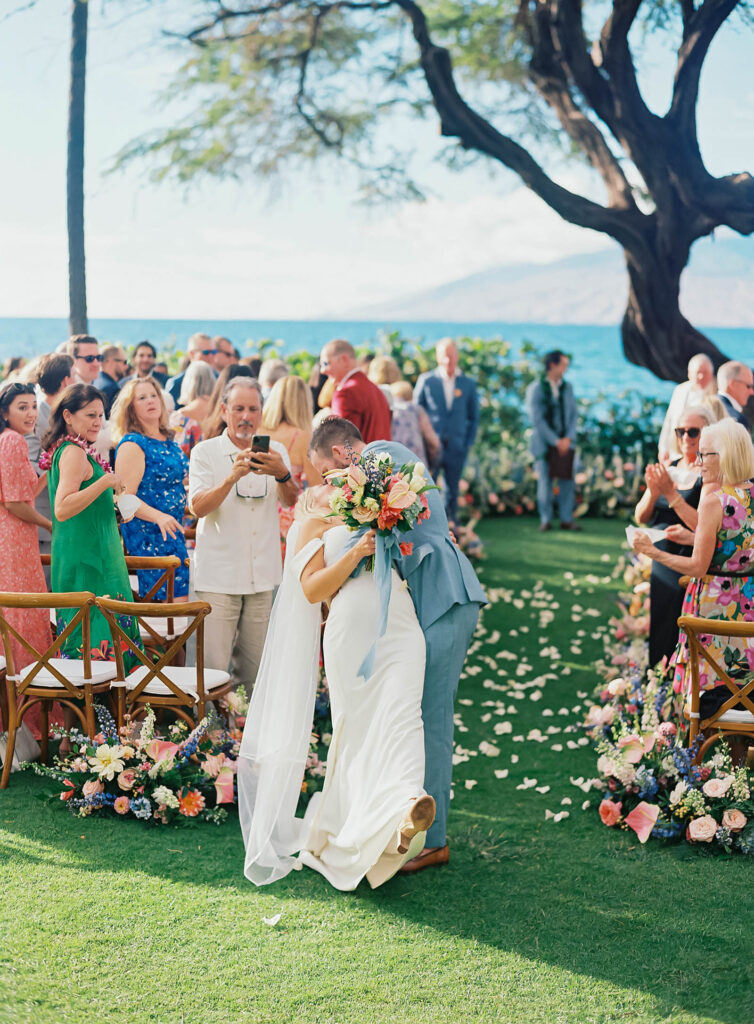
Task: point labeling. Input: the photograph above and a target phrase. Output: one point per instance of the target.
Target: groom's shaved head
(331, 432)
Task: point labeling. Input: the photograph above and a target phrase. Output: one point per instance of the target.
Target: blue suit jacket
(439, 575)
(732, 411)
(456, 426)
(542, 434)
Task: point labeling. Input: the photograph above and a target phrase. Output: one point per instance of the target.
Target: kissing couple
(384, 804)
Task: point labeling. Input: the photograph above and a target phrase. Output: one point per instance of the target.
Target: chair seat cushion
(161, 626)
(2, 663)
(729, 718)
(73, 670)
(184, 678)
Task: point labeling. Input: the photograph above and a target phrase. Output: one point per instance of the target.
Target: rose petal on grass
(272, 921)
(501, 773)
(470, 783)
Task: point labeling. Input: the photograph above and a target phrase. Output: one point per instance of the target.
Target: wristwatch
(283, 479)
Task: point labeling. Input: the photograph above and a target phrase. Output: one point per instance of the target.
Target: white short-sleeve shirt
(237, 545)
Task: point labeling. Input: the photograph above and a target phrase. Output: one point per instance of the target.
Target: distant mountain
(716, 289)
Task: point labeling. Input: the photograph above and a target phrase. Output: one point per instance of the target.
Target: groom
(447, 596)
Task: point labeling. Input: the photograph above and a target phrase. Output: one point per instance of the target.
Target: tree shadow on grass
(668, 922)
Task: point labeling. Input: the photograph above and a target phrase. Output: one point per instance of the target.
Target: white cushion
(184, 678)
(730, 717)
(2, 663)
(73, 670)
(160, 625)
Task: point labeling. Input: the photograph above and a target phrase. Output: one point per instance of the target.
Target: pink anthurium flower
(642, 819)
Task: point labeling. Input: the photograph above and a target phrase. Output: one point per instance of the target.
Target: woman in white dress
(373, 812)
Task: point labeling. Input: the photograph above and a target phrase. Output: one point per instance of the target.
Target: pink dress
(20, 565)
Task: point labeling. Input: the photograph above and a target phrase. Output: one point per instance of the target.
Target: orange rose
(610, 812)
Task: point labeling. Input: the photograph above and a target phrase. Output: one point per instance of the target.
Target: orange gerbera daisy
(190, 803)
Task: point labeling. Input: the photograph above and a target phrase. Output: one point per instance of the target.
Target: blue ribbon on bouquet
(386, 548)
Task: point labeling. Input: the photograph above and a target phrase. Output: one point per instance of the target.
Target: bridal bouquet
(373, 493)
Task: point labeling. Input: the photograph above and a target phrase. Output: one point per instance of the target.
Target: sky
(244, 250)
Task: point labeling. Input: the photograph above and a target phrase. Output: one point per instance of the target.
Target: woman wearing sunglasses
(721, 559)
(670, 502)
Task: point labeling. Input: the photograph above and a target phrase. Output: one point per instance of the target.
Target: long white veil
(275, 740)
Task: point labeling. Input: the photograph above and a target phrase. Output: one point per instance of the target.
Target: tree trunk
(655, 332)
(77, 319)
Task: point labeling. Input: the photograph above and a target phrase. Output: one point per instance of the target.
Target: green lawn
(533, 921)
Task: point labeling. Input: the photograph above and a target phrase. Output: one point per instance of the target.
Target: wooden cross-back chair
(736, 716)
(47, 678)
(160, 683)
(158, 633)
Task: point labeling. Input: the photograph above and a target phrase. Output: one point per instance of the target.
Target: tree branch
(699, 30)
(474, 132)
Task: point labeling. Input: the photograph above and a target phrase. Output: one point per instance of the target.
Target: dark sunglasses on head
(90, 359)
(16, 388)
(692, 432)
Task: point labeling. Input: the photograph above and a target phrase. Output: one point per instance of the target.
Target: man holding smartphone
(235, 483)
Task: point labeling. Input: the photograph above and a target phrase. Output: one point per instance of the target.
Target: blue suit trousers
(447, 642)
(566, 494)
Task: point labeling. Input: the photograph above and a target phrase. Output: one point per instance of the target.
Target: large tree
(287, 80)
(77, 317)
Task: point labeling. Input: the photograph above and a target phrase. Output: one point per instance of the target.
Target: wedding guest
(200, 348)
(723, 552)
(735, 385)
(700, 385)
(451, 401)
(194, 401)
(53, 377)
(87, 553)
(354, 398)
(235, 493)
(153, 467)
(551, 406)
(20, 565)
(113, 369)
(412, 426)
(86, 357)
(213, 422)
(270, 372)
(287, 418)
(225, 354)
(671, 500)
(254, 363)
(12, 367)
(145, 364)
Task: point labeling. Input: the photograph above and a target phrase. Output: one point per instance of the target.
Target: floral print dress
(728, 595)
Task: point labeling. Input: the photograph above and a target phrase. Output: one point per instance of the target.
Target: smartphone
(260, 443)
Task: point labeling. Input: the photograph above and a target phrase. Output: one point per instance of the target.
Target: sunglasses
(90, 359)
(701, 456)
(692, 432)
(209, 352)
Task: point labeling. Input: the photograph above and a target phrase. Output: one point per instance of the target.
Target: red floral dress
(20, 564)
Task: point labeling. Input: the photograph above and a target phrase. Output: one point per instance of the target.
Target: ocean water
(598, 363)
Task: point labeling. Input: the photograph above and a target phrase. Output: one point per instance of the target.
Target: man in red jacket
(356, 398)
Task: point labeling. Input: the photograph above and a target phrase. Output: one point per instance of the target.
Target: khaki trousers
(234, 633)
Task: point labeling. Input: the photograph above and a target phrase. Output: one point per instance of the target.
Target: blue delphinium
(746, 842)
(647, 783)
(106, 722)
(141, 807)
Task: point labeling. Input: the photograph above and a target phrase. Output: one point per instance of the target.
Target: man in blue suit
(451, 402)
(735, 385)
(447, 597)
(551, 406)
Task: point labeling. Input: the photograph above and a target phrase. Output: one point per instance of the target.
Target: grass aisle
(533, 921)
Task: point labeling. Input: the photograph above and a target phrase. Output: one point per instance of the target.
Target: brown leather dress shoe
(544, 527)
(574, 527)
(426, 859)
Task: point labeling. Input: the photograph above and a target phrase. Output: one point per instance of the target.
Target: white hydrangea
(166, 797)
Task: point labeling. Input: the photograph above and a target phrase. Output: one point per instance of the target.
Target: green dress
(87, 554)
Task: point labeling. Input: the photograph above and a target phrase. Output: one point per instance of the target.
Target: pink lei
(45, 459)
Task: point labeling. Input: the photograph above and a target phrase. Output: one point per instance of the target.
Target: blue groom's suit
(455, 424)
(447, 596)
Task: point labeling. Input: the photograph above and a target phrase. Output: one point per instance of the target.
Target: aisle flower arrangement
(645, 765)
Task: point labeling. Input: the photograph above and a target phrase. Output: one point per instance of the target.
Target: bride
(373, 813)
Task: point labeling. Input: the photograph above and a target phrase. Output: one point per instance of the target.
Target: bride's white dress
(375, 764)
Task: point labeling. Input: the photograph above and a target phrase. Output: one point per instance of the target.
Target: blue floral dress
(162, 487)
(723, 596)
